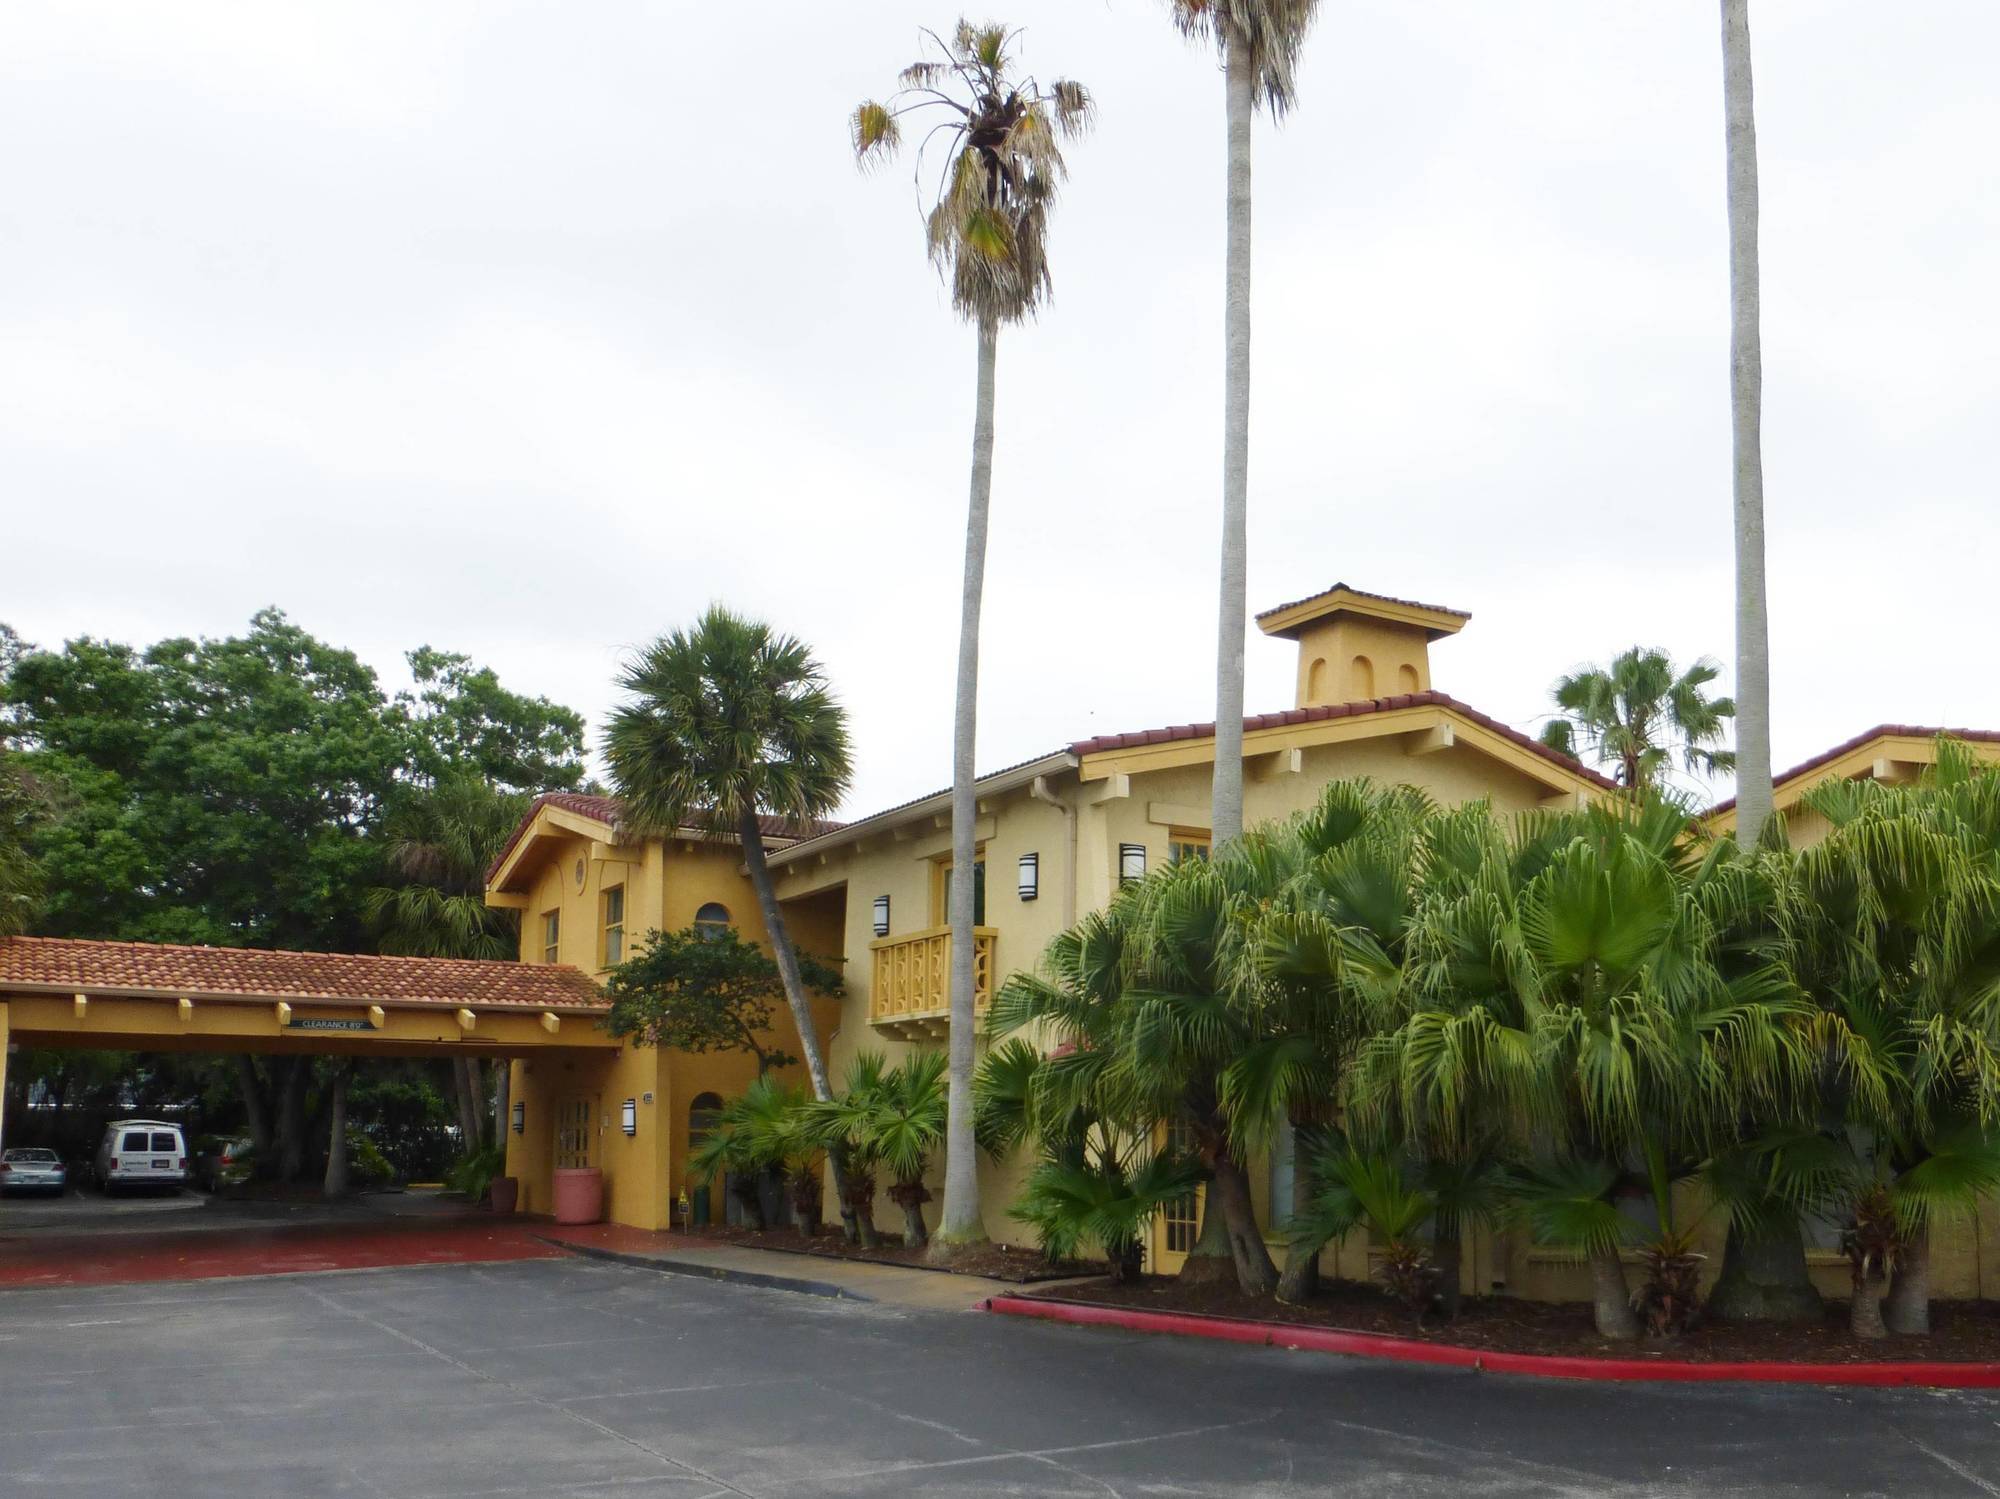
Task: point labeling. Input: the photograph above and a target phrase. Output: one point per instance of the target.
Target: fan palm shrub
(905, 1128)
(1356, 1189)
(1108, 1199)
(987, 233)
(841, 1126)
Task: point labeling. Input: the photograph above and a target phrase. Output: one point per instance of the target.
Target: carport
(541, 1019)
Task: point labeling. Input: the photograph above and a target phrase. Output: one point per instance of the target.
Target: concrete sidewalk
(809, 1274)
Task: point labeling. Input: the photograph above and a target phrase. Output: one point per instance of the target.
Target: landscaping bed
(1961, 1331)
(993, 1261)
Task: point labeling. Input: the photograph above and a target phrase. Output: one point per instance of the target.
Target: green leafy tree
(462, 720)
(988, 235)
(700, 990)
(436, 845)
(1639, 714)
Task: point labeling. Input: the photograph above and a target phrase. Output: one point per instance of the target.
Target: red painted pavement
(112, 1259)
(1965, 1376)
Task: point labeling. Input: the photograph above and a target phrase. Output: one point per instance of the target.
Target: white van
(141, 1153)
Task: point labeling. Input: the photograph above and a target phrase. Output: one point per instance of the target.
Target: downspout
(1039, 790)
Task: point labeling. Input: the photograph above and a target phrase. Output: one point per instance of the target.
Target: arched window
(712, 920)
(701, 1117)
(1364, 677)
(1406, 678)
(1316, 680)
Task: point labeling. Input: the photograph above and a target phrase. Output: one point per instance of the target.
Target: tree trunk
(1300, 1279)
(255, 1119)
(959, 1223)
(335, 1184)
(1210, 1262)
(1864, 1313)
(1907, 1309)
(1255, 1274)
(1746, 407)
(1611, 1298)
(468, 1107)
(292, 1119)
(1226, 800)
(1447, 1255)
(914, 1232)
(1764, 1279)
(779, 934)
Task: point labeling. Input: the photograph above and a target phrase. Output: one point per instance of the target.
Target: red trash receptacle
(579, 1195)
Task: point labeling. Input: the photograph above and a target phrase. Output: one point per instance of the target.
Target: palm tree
(1637, 712)
(906, 1127)
(988, 235)
(1746, 414)
(843, 1124)
(725, 724)
(441, 839)
(1259, 41)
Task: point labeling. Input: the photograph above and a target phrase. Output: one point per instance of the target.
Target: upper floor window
(712, 920)
(614, 925)
(941, 891)
(1186, 843)
(551, 935)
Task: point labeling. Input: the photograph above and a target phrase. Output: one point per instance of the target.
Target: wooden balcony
(910, 994)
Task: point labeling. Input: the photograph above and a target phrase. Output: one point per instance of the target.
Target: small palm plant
(1107, 1199)
(988, 236)
(1363, 1189)
(843, 1125)
(773, 1117)
(735, 1148)
(905, 1128)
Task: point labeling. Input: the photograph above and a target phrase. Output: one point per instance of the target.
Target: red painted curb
(1548, 1366)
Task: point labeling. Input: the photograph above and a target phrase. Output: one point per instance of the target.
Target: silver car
(33, 1170)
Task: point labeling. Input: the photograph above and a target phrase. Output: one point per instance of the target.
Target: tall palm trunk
(1300, 1277)
(255, 1119)
(335, 1184)
(1746, 408)
(1226, 800)
(292, 1119)
(1907, 1308)
(787, 959)
(468, 1106)
(959, 1222)
(1256, 1275)
(1764, 1278)
(1611, 1298)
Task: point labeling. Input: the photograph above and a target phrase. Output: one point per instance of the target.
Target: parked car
(141, 1153)
(220, 1162)
(32, 1169)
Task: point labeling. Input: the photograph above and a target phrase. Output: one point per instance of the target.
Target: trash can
(579, 1195)
(505, 1192)
(699, 1212)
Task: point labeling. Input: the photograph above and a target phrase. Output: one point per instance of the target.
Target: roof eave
(929, 806)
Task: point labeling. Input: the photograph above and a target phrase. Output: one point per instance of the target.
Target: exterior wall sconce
(628, 1116)
(1131, 863)
(1031, 876)
(881, 915)
(520, 1117)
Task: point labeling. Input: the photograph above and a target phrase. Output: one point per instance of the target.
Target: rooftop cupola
(1354, 646)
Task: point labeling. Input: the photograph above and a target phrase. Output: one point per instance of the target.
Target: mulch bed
(1961, 1331)
(994, 1261)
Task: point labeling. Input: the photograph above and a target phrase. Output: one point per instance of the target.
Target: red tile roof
(609, 811)
(1362, 593)
(1847, 747)
(1104, 742)
(67, 965)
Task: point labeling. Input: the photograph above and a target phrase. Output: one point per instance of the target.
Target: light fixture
(628, 1114)
(1031, 876)
(881, 915)
(520, 1117)
(1131, 863)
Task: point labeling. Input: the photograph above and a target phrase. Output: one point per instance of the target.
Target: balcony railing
(911, 991)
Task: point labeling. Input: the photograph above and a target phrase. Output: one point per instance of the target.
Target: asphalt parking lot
(579, 1378)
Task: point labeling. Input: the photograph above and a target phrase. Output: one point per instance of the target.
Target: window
(702, 1114)
(135, 1140)
(941, 891)
(573, 1134)
(1182, 1215)
(551, 935)
(165, 1142)
(614, 925)
(1187, 843)
(712, 920)
(1363, 673)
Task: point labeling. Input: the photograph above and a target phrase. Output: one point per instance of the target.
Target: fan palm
(1746, 420)
(1260, 42)
(740, 1145)
(1106, 1199)
(1638, 712)
(988, 235)
(774, 1120)
(441, 839)
(844, 1125)
(1357, 1189)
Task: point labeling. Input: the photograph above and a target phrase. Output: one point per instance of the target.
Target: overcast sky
(528, 330)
